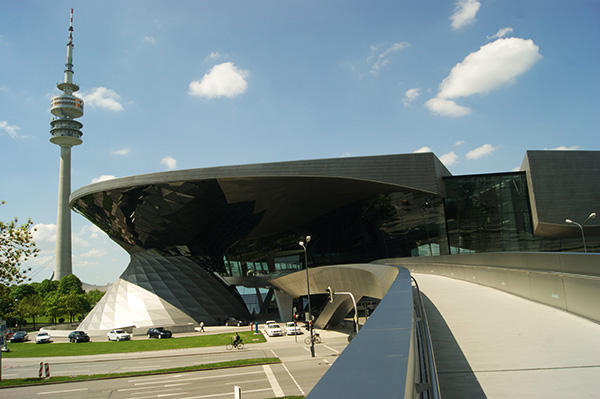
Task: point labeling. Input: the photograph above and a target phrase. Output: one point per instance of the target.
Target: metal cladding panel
(562, 184)
(421, 171)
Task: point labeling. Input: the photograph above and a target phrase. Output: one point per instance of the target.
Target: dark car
(79, 336)
(19, 336)
(232, 321)
(159, 332)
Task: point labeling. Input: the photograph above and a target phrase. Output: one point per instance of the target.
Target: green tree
(31, 306)
(94, 296)
(54, 306)
(46, 287)
(75, 304)
(18, 292)
(69, 284)
(16, 247)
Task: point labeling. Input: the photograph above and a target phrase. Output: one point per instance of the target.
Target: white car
(292, 328)
(270, 322)
(118, 335)
(273, 329)
(42, 337)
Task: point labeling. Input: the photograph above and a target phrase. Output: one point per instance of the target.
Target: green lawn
(96, 348)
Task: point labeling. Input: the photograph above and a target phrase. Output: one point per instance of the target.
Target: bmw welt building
(195, 236)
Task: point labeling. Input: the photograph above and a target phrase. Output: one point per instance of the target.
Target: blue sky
(192, 84)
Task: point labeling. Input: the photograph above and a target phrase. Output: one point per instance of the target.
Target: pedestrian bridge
(535, 336)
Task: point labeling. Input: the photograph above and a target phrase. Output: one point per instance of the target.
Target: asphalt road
(296, 375)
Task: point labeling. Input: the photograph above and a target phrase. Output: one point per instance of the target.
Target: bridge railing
(384, 359)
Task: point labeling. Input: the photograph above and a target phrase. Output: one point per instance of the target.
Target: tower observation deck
(66, 107)
(66, 132)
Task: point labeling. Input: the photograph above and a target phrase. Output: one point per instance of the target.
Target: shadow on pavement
(456, 378)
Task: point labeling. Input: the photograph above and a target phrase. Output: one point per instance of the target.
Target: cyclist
(236, 339)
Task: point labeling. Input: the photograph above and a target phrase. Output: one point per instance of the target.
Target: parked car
(159, 332)
(270, 322)
(232, 321)
(78, 336)
(273, 329)
(118, 335)
(19, 336)
(292, 328)
(42, 337)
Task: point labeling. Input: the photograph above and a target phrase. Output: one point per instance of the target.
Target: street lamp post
(303, 244)
(592, 215)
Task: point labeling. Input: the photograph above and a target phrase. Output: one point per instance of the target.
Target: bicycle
(231, 345)
(316, 338)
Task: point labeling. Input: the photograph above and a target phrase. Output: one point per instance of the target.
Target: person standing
(201, 326)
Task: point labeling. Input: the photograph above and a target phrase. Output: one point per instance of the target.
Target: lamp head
(568, 221)
(308, 237)
(592, 215)
(301, 243)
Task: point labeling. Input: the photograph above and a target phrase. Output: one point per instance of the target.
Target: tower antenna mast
(66, 133)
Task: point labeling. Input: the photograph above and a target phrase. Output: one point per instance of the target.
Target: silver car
(118, 335)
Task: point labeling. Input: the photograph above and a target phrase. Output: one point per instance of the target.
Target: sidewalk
(489, 344)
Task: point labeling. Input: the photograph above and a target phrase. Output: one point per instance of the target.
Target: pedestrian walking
(201, 326)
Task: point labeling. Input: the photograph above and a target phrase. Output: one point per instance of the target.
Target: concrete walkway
(489, 344)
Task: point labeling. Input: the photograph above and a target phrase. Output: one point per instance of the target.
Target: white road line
(196, 378)
(168, 377)
(293, 379)
(273, 381)
(245, 382)
(216, 395)
(330, 348)
(155, 392)
(64, 391)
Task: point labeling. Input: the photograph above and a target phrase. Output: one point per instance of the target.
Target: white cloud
(223, 80)
(423, 149)
(411, 95)
(345, 155)
(213, 56)
(501, 33)
(12, 130)
(94, 253)
(170, 162)
(44, 233)
(449, 158)
(464, 13)
(150, 39)
(103, 178)
(479, 152)
(444, 107)
(103, 98)
(564, 148)
(459, 143)
(379, 58)
(494, 65)
(123, 151)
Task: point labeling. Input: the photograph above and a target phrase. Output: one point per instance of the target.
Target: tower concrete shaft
(66, 133)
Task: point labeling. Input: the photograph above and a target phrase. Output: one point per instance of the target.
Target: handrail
(429, 385)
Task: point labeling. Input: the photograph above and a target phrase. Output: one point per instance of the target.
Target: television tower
(66, 133)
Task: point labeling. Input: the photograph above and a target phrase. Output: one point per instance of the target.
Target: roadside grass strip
(16, 382)
(144, 345)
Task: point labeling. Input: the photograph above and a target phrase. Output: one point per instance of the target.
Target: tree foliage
(16, 247)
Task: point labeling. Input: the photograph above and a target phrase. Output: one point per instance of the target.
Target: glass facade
(488, 213)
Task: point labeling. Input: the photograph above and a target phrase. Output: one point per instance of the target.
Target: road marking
(293, 379)
(134, 382)
(223, 394)
(168, 377)
(65, 391)
(330, 348)
(273, 381)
